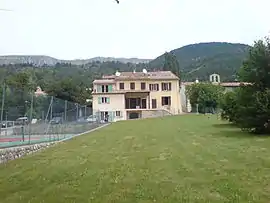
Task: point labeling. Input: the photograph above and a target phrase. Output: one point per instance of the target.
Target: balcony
(136, 103)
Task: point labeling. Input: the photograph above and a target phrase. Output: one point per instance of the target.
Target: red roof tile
(140, 75)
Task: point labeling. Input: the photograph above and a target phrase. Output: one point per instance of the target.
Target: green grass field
(187, 158)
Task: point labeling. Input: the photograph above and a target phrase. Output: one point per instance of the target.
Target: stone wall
(17, 152)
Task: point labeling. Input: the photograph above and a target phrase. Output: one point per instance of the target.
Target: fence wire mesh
(27, 118)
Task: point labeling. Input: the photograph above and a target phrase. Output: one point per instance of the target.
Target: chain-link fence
(29, 118)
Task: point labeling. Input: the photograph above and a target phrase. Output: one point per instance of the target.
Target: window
(166, 86)
(118, 113)
(106, 88)
(132, 86)
(154, 87)
(166, 101)
(154, 103)
(122, 86)
(103, 100)
(143, 86)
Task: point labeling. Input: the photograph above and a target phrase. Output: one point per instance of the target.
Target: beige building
(132, 95)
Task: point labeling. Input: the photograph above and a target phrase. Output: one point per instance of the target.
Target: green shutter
(108, 100)
(99, 88)
(99, 100)
(111, 118)
(110, 88)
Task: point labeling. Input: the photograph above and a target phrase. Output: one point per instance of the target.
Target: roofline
(134, 79)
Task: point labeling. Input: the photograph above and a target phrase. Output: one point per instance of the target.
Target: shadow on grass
(234, 134)
(231, 131)
(225, 125)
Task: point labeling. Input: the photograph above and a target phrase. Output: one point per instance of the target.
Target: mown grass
(187, 158)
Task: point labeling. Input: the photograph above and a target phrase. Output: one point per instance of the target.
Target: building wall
(117, 103)
(176, 106)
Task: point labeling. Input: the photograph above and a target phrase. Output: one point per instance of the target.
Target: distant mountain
(40, 60)
(201, 60)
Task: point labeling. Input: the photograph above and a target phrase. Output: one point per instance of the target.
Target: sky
(80, 29)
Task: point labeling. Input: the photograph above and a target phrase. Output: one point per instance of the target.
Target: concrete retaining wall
(17, 152)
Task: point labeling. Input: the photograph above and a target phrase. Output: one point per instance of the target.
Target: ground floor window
(154, 103)
(104, 116)
(166, 101)
(118, 113)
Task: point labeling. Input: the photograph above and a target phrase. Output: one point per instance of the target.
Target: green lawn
(187, 158)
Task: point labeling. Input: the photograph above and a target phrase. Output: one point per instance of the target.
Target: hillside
(201, 60)
(196, 61)
(40, 60)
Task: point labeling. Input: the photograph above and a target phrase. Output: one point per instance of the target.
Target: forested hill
(196, 61)
(201, 60)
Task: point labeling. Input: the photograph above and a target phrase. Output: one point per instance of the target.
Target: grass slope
(175, 159)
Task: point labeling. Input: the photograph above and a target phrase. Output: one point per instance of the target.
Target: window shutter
(110, 88)
(99, 100)
(110, 116)
(157, 87)
(98, 88)
(108, 100)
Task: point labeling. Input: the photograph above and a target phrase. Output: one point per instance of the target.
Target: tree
(171, 64)
(251, 102)
(229, 106)
(206, 95)
(70, 90)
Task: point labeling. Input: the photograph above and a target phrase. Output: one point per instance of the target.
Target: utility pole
(52, 108)
(77, 113)
(31, 116)
(3, 105)
(65, 110)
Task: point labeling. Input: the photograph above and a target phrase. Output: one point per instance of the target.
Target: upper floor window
(166, 86)
(103, 100)
(132, 85)
(143, 86)
(153, 87)
(121, 86)
(105, 88)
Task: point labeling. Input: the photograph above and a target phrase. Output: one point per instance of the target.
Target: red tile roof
(157, 75)
(224, 84)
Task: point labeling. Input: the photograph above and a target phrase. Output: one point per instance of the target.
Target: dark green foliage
(206, 95)
(70, 90)
(201, 60)
(249, 107)
(229, 106)
(171, 64)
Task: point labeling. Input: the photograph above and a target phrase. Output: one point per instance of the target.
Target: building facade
(133, 95)
(214, 79)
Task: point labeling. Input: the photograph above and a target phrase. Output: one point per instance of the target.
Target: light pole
(197, 104)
